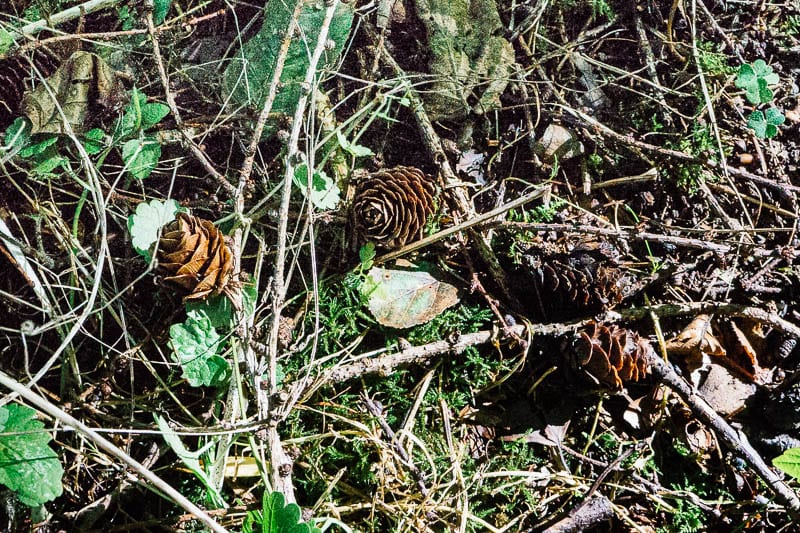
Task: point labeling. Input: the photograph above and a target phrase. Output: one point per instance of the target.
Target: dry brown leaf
(695, 340)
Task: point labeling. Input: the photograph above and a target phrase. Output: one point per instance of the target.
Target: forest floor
(437, 265)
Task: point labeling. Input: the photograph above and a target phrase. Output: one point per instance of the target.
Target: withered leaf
(83, 81)
(696, 339)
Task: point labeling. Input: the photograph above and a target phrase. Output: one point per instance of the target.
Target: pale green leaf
(6, 41)
(18, 134)
(404, 298)
(789, 462)
(276, 516)
(28, 466)
(248, 75)
(94, 141)
(325, 194)
(147, 221)
(195, 344)
(141, 156)
(153, 113)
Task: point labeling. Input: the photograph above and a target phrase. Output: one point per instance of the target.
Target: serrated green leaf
(160, 10)
(94, 141)
(247, 77)
(277, 517)
(141, 156)
(325, 194)
(404, 298)
(219, 310)
(18, 134)
(38, 145)
(789, 462)
(47, 165)
(28, 465)
(152, 114)
(147, 221)
(195, 344)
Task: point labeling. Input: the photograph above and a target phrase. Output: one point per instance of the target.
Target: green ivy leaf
(277, 517)
(28, 465)
(147, 221)
(195, 344)
(325, 194)
(141, 156)
(789, 462)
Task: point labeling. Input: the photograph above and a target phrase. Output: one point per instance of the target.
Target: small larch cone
(194, 254)
(391, 206)
(612, 355)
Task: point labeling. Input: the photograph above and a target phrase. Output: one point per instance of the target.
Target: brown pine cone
(391, 206)
(194, 253)
(612, 355)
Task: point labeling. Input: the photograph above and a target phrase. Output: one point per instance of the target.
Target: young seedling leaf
(356, 150)
(147, 221)
(28, 466)
(789, 462)
(755, 79)
(404, 298)
(141, 156)
(277, 517)
(190, 459)
(195, 344)
(765, 126)
(325, 194)
(764, 71)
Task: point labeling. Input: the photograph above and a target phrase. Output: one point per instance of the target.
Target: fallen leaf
(404, 298)
(696, 339)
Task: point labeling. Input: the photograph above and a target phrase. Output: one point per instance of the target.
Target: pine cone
(392, 206)
(612, 355)
(576, 283)
(194, 253)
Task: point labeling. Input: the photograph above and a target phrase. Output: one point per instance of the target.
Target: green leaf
(277, 517)
(219, 310)
(28, 465)
(404, 298)
(152, 114)
(131, 120)
(356, 150)
(366, 254)
(42, 143)
(789, 462)
(160, 9)
(324, 191)
(190, 459)
(195, 344)
(755, 80)
(94, 141)
(47, 165)
(147, 221)
(6, 41)
(141, 156)
(765, 126)
(247, 77)
(18, 134)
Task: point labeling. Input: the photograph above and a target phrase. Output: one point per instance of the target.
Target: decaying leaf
(404, 298)
(695, 340)
(83, 82)
(724, 390)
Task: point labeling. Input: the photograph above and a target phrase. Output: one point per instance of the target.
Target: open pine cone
(391, 206)
(612, 355)
(194, 254)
